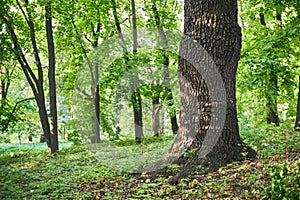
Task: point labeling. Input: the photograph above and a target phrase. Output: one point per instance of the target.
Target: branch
(88, 39)
(88, 97)
(14, 110)
(35, 49)
(30, 76)
(23, 12)
(84, 51)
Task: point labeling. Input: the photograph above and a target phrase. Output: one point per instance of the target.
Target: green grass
(128, 157)
(29, 172)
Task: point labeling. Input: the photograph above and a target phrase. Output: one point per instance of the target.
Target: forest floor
(75, 172)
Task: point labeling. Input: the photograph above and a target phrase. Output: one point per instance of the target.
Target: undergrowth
(74, 173)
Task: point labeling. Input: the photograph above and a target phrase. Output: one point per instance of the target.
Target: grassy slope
(30, 173)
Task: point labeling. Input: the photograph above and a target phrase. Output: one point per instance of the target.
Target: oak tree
(208, 60)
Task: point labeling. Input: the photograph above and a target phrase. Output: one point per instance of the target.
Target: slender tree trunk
(94, 72)
(137, 99)
(137, 114)
(272, 102)
(96, 89)
(168, 90)
(35, 82)
(5, 84)
(207, 79)
(51, 78)
(117, 124)
(97, 105)
(297, 122)
(162, 130)
(3, 93)
(155, 116)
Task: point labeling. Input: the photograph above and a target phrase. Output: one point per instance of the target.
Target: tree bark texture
(213, 26)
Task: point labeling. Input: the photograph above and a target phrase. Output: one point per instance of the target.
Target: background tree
(267, 73)
(159, 24)
(51, 77)
(21, 19)
(136, 94)
(83, 35)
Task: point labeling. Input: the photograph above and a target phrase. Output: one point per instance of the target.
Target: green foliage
(125, 155)
(29, 172)
(14, 114)
(74, 137)
(73, 173)
(268, 139)
(269, 53)
(127, 141)
(34, 174)
(284, 183)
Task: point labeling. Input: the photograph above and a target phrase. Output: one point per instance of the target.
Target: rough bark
(297, 122)
(203, 139)
(51, 79)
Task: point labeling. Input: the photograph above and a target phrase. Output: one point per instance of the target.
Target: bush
(74, 137)
(284, 183)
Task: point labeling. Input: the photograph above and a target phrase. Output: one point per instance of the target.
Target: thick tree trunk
(51, 78)
(297, 122)
(209, 54)
(155, 116)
